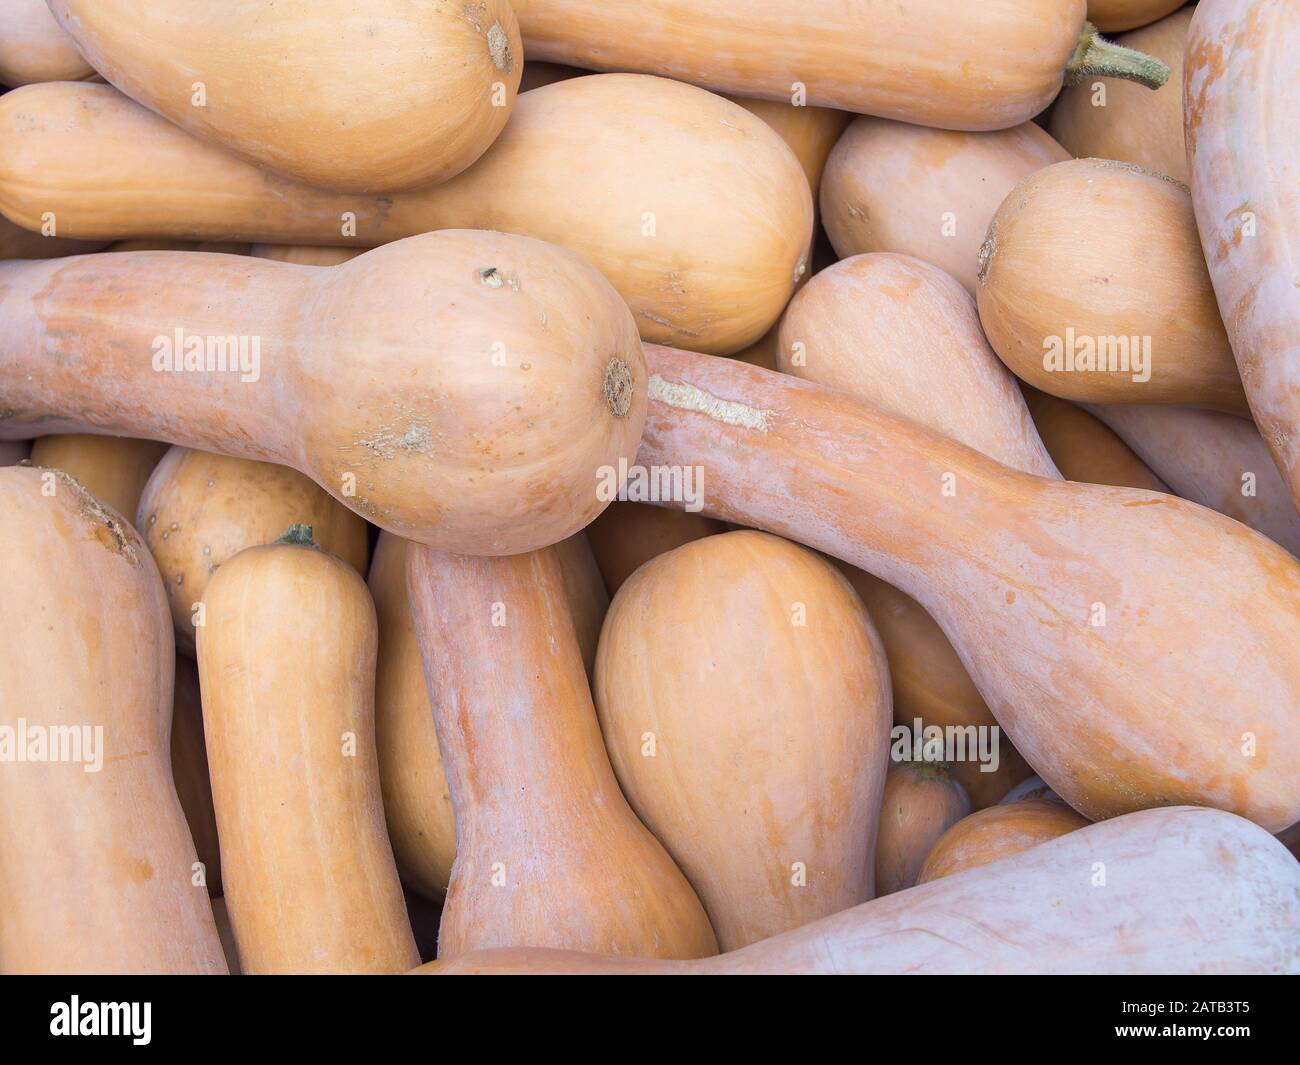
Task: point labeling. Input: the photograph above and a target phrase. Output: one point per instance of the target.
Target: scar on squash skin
(985, 256)
(619, 387)
(1133, 168)
(499, 47)
(687, 397)
(108, 530)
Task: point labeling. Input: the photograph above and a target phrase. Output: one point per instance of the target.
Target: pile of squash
(340, 341)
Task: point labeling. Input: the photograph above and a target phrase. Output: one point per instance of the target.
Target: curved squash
(1072, 301)
(34, 48)
(356, 95)
(19, 243)
(1239, 108)
(1213, 459)
(627, 535)
(190, 770)
(997, 833)
(287, 667)
(585, 592)
(114, 469)
(654, 150)
(1085, 448)
(743, 695)
(930, 193)
(1128, 122)
(930, 62)
(96, 861)
(487, 434)
(1168, 871)
(1020, 572)
(200, 509)
(1111, 16)
(548, 851)
(921, 801)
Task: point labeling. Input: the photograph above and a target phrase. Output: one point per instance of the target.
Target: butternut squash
(199, 510)
(96, 861)
(1019, 571)
(921, 801)
(304, 254)
(627, 535)
(34, 48)
(1085, 448)
(1242, 148)
(743, 695)
(997, 833)
(933, 63)
(585, 592)
(1073, 302)
(1111, 16)
(114, 469)
(1213, 459)
(1167, 871)
(19, 243)
(488, 434)
(287, 667)
(1112, 120)
(190, 770)
(713, 278)
(548, 851)
(930, 193)
(356, 95)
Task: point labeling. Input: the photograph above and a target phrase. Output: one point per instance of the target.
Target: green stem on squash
(1094, 56)
(298, 536)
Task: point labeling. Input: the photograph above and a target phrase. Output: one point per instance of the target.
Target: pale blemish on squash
(687, 397)
(619, 387)
(386, 443)
(108, 531)
(499, 48)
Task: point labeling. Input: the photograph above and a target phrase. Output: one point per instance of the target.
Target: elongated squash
(1111, 16)
(931, 62)
(1112, 120)
(585, 592)
(1213, 459)
(997, 833)
(34, 48)
(1085, 448)
(627, 535)
(1239, 92)
(548, 852)
(96, 861)
(744, 699)
(653, 151)
(200, 509)
(357, 95)
(921, 801)
(460, 387)
(19, 243)
(190, 770)
(114, 469)
(1073, 307)
(287, 668)
(1038, 912)
(1020, 572)
(930, 193)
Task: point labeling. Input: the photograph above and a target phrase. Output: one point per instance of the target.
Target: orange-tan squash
(19, 243)
(190, 771)
(549, 853)
(653, 151)
(1073, 302)
(921, 801)
(1085, 448)
(200, 509)
(1056, 594)
(97, 865)
(114, 469)
(34, 48)
(744, 698)
(627, 535)
(287, 668)
(304, 254)
(996, 833)
(179, 245)
(357, 95)
(1111, 16)
(461, 387)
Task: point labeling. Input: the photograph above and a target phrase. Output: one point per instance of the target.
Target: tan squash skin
(1135, 124)
(190, 770)
(356, 95)
(445, 444)
(96, 868)
(627, 535)
(902, 334)
(932, 63)
(1205, 457)
(1243, 150)
(114, 469)
(652, 152)
(417, 802)
(1111, 16)
(1168, 871)
(771, 737)
(19, 243)
(1108, 250)
(1086, 449)
(304, 254)
(287, 665)
(888, 186)
(548, 852)
(200, 509)
(34, 48)
(921, 801)
(996, 833)
(1012, 567)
